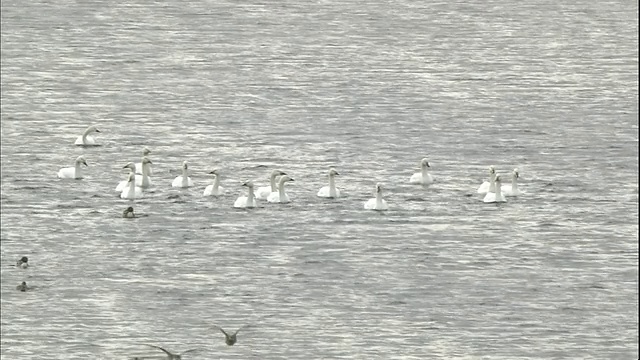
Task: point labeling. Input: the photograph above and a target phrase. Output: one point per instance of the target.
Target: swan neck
(332, 185)
(498, 191)
(425, 171)
(250, 197)
(514, 184)
(378, 199)
(78, 169)
(272, 181)
(281, 189)
(86, 132)
(216, 182)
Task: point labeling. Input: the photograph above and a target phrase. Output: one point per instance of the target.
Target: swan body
(87, 140)
(280, 196)
(263, 192)
(493, 197)
(183, 181)
(330, 191)
(139, 165)
(214, 189)
(131, 191)
(489, 186)
(73, 172)
(248, 201)
(378, 202)
(512, 190)
(423, 177)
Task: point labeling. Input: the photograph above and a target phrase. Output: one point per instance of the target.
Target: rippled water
(367, 87)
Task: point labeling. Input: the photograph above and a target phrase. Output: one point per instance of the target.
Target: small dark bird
(23, 262)
(231, 339)
(170, 356)
(23, 287)
(128, 213)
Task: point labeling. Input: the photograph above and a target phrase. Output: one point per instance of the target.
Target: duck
(23, 262)
(423, 177)
(512, 190)
(23, 287)
(494, 197)
(87, 140)
(183, 181)
(330, 191)
(170, 356)
(214, 189)
(378, 202)
(128, 213)
(248, 201)
(74, 172)
(488, 186)
(263, 192)
(280, 196)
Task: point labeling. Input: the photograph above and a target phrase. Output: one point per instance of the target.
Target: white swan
(87, 140)
(122, 184)
(489, 186)
(131, 191)
(263, 192)
(423, 177)
(280, 196)
(145, 152)
(330, 191)
(73, 172)
(182, 181)
(214, 189)
(378, 202)
(512, 190)
(493, 197)
(246, 201)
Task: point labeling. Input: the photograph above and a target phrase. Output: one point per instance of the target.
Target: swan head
(333, 172)
(516, 174)
(276, 172)
(285, 178)
(145, 160)
(378, 188)
(492, 169)
(131, 166)
(424, 163)
(81, 160)
(92, 128)
(214, 172)
(132, 176)
(497, 178)
(185, 165)
(248, 184)
(146, 151)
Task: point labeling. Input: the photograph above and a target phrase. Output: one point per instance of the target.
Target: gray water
(368, 87)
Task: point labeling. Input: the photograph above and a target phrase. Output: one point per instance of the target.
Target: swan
(131, 191)
(128, 213)
(512, 190)
(246, 201)
(23, 262)
(182, 181)
(263, 192)
(423, 177)
(330, 191)
(139, 167)
(143, 181)
(87, 140)
(280, 196)
(214, 189)
(73, 172)
(493, 197)
(488, 186)
(378, 202)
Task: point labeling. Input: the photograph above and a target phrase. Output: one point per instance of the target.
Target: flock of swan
(139, 178)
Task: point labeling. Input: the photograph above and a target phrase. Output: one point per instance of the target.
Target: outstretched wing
(219, 328)
(158, 347)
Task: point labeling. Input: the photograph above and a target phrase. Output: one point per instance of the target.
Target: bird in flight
(231, 339)
(170, 356)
